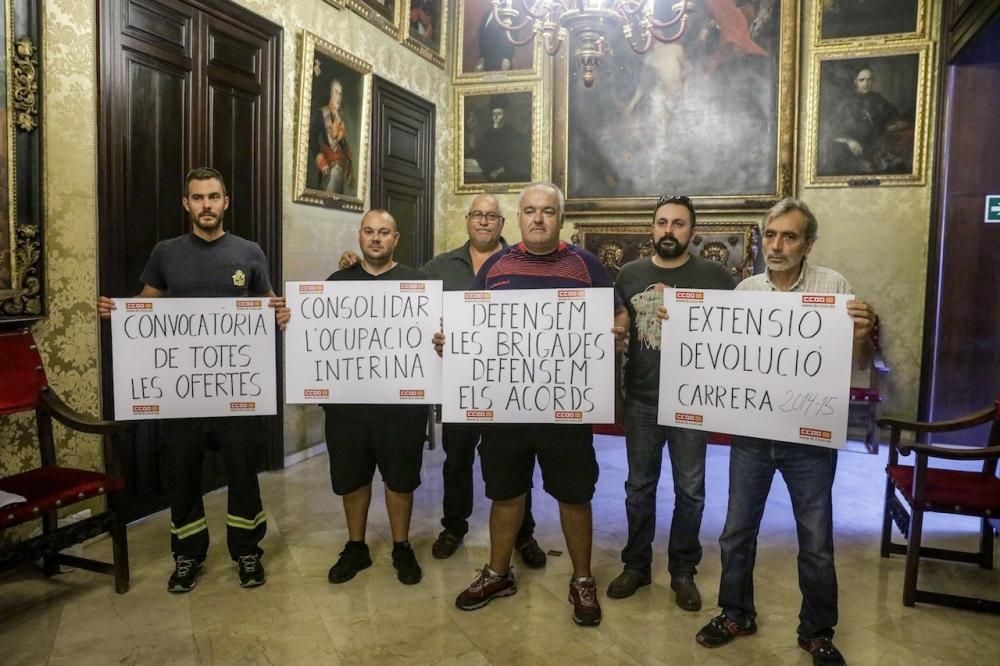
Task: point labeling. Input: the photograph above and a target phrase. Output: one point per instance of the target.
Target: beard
(206, 223)
(666, 251)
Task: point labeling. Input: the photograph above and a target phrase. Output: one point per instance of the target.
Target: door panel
(403, 167)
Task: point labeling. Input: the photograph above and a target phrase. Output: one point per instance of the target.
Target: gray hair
(788, 205)
(559, 194)
(491, 197)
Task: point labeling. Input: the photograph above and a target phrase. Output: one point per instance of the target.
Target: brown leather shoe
(531, 553)
(686, 594)
(626, 584)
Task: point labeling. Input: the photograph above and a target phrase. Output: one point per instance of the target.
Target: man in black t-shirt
(640, 285)
(209, 262)
(361, 437)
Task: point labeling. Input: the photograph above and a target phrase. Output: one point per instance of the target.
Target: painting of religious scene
(485, 48)
(867, 114)
(702, 115)
(497, 135)
(843, 19)
(331, 166)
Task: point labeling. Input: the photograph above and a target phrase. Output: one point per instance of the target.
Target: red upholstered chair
(924, 488)
(866, 398)
(50, 487)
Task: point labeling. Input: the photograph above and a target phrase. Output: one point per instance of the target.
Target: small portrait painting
(331, 165)
(867, 113)
(382, 13)
(497, 138)
(425, 23)
(485, 47)
(844, 19)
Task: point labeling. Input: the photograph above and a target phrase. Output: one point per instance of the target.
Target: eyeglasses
(478, 215)
(665, 199)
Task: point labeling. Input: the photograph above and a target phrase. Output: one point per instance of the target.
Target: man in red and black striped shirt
(565, 452)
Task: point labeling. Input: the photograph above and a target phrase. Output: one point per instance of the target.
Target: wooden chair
(867, 397)
(928, 489)
(50, 487)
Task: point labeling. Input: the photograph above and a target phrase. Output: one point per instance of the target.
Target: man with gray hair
(789, 233)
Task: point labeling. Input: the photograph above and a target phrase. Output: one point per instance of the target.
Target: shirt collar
(798, 282)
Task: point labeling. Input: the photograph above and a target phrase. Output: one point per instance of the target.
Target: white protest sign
(193, 357)
(529, 356)
(365, 341)
(775, 365)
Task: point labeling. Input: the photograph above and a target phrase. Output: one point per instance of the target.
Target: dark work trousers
(459, 441)
(239, 440)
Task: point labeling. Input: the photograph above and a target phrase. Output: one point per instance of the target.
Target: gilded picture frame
(733, 241)
(338, 4)
(850, 21)
(424, 29)
(497, 144)
(386, 15)
(482, 52)
(22, 250)
(332, 139)
(867, 116)
(709, 116)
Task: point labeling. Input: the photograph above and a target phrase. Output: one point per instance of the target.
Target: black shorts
(565, 455)
(360, 438)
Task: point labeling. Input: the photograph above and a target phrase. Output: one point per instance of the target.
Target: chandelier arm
(552, 41)
(641, 48)
(519, 42)
(509, 28)
(680, 9)
(658, 36)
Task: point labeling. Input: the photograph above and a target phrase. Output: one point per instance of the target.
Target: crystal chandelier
(588, 21)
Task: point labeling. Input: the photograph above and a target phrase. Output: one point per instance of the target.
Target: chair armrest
(71, 418)
(949, 453)
(976, 418)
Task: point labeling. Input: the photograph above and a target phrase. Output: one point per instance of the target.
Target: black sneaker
(487, 586)
(405, 562)
(721, 630)
(446, 544)
(186, 570)
(251, 571)
(583, 596)
(352, 559)
(823, 651)
(531, 553)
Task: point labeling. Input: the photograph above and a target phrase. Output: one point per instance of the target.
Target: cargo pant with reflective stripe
(239, 440)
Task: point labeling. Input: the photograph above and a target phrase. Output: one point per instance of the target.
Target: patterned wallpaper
(68, 339)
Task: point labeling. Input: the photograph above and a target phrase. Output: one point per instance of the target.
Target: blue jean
(808, 472)
(644, 440)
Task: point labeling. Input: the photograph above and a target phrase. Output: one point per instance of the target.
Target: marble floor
(298, 618)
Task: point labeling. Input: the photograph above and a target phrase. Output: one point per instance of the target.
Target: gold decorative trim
(919, 32)
(424, 51)
(392, 28)
(25, 85)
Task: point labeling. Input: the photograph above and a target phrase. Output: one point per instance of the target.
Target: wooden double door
(183, 83)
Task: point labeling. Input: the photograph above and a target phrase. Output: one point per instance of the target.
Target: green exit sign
(993, 207)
